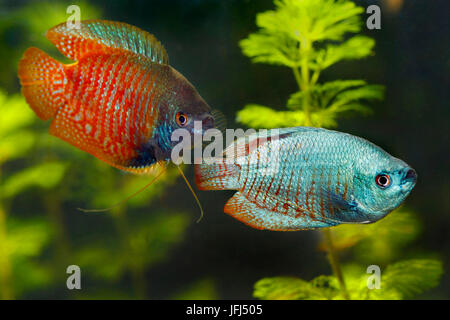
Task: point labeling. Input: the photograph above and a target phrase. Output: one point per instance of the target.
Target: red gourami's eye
(383, 180)
(181, 118)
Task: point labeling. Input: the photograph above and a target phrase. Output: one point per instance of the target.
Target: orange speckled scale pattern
(103, 118)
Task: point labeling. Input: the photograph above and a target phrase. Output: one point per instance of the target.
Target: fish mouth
(409, 179)
(410, 175)
(207, 123)
(202, 124)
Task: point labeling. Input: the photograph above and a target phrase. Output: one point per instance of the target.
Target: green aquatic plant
(400, 280)
(21, 241)
(134, 241)
(203, 289)
(310, 36)
(381, 243)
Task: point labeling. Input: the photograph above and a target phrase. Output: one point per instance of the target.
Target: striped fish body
(301, 178)
(118, 101)
(115, 104)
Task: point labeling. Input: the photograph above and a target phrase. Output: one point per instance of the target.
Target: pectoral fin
(344, 210)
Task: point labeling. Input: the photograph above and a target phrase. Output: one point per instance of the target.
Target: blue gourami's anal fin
(106, 37)
(240, 208)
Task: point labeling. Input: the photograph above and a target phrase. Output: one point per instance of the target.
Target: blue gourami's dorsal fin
(250, 141)
(263, 135)
(106, 37)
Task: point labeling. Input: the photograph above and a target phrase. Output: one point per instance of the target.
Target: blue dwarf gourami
(305, 178)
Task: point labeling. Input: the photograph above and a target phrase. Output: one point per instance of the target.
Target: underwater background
(152, 247)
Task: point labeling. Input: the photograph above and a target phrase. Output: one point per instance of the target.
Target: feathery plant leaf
(401, 280)
(264, 48)
(356, 47)
(286, 29)
(309, 36)
(337, 96)
(257, 116)
(290, 288)
(411, 277)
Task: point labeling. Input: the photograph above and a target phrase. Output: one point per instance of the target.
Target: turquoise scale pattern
(306, 178)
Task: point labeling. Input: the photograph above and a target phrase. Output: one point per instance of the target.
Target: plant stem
(334, 261)
(303, 86)
(298, 77)
(6, 292)
(315, 77)
(303, 79)
(305, 82)
(54, 211)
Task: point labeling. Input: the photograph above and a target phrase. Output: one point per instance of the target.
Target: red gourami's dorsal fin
(106, 37)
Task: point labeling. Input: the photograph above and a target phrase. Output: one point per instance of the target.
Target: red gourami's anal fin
(43, 80)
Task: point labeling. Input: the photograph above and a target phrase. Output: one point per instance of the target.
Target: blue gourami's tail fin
(223, 173)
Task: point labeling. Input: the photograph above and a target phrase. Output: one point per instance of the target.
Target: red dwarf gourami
(119, 101)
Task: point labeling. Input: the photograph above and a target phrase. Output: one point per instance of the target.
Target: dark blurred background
(412, 59)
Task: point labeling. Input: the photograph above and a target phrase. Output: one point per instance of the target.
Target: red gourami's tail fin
(43, 80)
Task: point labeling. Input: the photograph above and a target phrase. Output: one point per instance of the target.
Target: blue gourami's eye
(383, 180)
(181, 118)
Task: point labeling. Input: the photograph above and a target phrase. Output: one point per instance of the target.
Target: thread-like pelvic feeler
(193, 193)
(127, 198)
